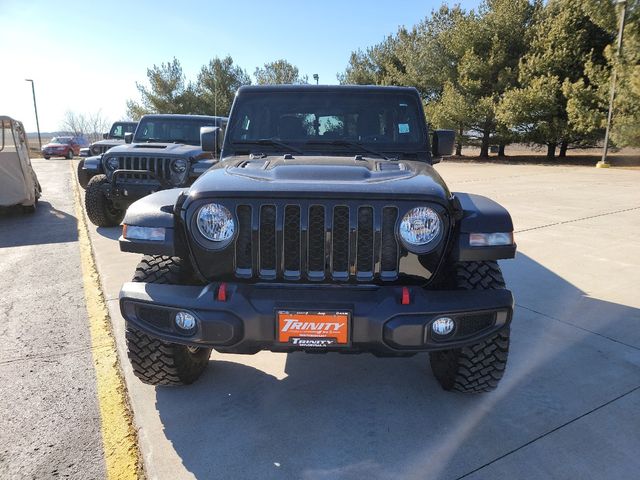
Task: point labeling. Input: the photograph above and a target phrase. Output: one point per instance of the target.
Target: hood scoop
(149, 145)
(254, 164)
(320, 170)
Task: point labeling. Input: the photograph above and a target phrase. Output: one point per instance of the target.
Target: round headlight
(95, 150)
(216, 223)
(113, 163)
(420, 226)
(179, 165)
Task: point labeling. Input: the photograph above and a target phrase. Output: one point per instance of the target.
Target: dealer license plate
(313, 329)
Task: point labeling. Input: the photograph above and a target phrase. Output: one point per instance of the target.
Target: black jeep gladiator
(164, 152)
(113, 138)
(324, 228)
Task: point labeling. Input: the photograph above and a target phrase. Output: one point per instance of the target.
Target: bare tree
(91, 125)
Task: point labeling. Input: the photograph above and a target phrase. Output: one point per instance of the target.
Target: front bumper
(123, 191)
(245, 321)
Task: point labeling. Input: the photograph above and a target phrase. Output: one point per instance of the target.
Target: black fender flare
(154, 211)
(479, 214)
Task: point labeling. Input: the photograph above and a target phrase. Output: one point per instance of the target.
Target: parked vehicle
(19, 186)
(325, 227)
(63, 146)
(165, 152)
(113, 138)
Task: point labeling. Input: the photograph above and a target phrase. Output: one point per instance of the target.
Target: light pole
(35, 107)
(316, 78)
(603, 163)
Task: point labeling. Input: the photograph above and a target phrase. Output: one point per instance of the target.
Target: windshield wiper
(268, 141)
(150, 140)
(346, 143)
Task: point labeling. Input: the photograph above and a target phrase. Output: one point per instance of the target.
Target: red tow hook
(221, 296)
(406, 297)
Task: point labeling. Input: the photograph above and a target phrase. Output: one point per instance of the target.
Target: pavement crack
(553, 430)
(50, 356)
(578, 327)
(577, 219)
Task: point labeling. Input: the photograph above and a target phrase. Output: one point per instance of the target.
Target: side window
(117, 131)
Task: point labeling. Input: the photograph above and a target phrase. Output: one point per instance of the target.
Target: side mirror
(211, 139)
(128, 137)
(443, 145)
(105, 136)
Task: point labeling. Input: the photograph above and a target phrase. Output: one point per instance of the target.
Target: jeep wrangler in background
(324, 228)
(165, 152)
(114, 137)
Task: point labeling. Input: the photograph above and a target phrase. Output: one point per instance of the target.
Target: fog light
(443, 326)
(185, 321)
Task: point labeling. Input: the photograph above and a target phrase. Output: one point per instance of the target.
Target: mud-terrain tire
(100, 210)
(155, 361)
(83, 175)
(476, 368)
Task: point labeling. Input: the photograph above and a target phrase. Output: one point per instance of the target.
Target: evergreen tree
(279, 72)
(217, 84)
(168, 92)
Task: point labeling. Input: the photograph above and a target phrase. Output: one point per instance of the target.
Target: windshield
(119, 129)
(60, 140)
(171, 130)
(382, 121)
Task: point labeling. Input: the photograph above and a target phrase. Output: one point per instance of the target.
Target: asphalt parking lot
(566, 408)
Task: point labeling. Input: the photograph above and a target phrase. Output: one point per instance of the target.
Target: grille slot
(243, 244)
(316, 242)
(158, 165)
(291, 240)
(315, 253)
(268, 241)
(389, 249)
(340, 247)
(364, 263)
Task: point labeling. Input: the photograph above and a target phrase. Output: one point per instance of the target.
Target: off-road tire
(83, 176)
(155, 361)
(100, 210)
(70, 154)
(46, 157)
(476, 368)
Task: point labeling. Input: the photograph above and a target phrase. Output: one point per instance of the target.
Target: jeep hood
(320, 176)
(176, 149)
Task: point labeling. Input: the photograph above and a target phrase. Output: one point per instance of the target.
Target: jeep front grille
(316, 242)
(160, 166)
(100, 149)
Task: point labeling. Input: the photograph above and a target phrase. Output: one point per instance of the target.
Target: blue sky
(86, 56)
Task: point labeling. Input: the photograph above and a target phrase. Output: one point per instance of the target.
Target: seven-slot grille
(160, 166)
(316, 242)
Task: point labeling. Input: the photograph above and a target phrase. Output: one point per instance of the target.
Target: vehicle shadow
(112, 233)
(46, 225)
(352, 417)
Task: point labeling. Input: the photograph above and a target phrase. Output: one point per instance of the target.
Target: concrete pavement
(49, 415)
(567, 407)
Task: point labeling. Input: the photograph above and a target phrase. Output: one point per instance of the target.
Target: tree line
(510, 71)
(212, 93)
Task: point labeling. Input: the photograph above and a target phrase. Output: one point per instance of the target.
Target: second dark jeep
(325, 228)
(165, 152)
(113, 138)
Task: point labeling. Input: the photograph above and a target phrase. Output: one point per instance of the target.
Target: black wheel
(476, 368)
(47, 157)
(100, 209)
(83, 175)
(70, 154)
(155, 361)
